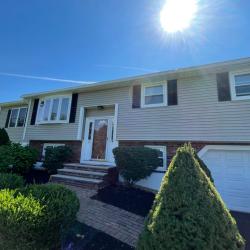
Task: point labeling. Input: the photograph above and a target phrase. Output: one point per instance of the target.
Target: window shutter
(7, 119)
(223, 87)
(73, 108)
(136, 99)
(34, 112)
(172, 92)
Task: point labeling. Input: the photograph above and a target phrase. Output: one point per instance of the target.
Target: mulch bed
(134, 200)
(37, 176)
(83, 237)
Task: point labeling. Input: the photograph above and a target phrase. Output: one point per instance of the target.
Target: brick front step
(86, 176)
(82, 173)
(86, 167)
(77, 181)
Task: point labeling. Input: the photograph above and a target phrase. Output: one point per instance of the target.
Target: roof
(13, 103)
(170, 74)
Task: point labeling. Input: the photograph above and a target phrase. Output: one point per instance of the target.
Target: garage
(230, 168)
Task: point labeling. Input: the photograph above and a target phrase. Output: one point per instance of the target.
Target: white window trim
(45, 145)
(232, 75)
(145, 85)
(25, 121)
(57, 121)
(164, 149)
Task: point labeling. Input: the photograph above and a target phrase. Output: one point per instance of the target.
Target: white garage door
(230, 169)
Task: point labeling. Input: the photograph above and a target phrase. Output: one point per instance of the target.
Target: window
(240, 85)
(163, 156)
(17, 117)
(45, 145)
(54, 110)
(154, 95)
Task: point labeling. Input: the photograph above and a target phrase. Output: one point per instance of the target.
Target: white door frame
(88, 143)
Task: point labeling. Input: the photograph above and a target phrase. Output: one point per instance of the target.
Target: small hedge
(21, 221)
(11, 181)
(136, 163)
(16, 158)
(188, 213)
(46, 213)
(4, 137)
(55, 157)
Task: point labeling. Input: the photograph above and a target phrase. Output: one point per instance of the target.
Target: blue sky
(94, 40)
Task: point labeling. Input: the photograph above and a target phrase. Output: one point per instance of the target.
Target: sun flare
(177, 15)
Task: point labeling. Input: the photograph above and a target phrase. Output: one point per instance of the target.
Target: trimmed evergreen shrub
(55, 157)
(60, 208)
(11, 181)
(188, 213)
(136, 163)
(204, 167)
(4, 137)
(21, 221)
(36, 217)
(16, 158)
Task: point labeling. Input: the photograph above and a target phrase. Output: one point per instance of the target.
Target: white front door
(98, 139)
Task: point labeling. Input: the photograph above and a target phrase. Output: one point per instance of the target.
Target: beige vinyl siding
(197, 117)
(15, 134)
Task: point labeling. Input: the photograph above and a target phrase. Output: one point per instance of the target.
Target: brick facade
(173, 145)
(76, 147)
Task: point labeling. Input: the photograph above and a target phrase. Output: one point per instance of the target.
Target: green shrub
(21, 221)
(204, 167)
(6, 158)
(188, 213)
(60, 208)
(55, 157)
(11, 181)
(16, 158)
(36, 217)
(136, 163)
(4, 138)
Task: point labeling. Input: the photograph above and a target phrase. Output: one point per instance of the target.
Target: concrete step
(92, 168)
(82, 173)
(78, 181)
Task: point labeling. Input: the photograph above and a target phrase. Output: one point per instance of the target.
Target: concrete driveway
(243, 221)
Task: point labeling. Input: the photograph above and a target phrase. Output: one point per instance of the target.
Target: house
(205, 105)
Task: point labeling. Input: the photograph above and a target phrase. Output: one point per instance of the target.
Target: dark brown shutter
(73, 109)
(223, 87)
(172, 92)
(136, 99)
(8, 119)
(34, 112)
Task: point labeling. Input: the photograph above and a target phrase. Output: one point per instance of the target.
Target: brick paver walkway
(118, 223)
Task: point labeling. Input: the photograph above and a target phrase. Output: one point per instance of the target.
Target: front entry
(98, 139)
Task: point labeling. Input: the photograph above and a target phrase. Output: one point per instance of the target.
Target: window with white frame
(162, 156)
(240, 85)
(54, 110)
(53, 145)
(17, 117)
(154, 95)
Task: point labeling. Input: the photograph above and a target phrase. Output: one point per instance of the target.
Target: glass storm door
(100, 132)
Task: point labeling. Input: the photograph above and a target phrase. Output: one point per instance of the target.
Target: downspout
(26, 122)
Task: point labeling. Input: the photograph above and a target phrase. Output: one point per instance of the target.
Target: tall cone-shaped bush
(188, 212)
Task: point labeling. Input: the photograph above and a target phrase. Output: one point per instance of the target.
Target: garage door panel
(231, 172)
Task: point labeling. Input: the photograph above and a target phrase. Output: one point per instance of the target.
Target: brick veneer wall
(76, 147)
(173, 145)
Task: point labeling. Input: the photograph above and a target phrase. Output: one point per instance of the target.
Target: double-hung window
(154, 95)
(54, 110)
(17, 117)
(240, 85)
(162, 156)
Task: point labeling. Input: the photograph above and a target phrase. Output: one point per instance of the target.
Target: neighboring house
(207, 106)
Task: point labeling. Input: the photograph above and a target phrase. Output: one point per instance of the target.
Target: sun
(177, 15)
